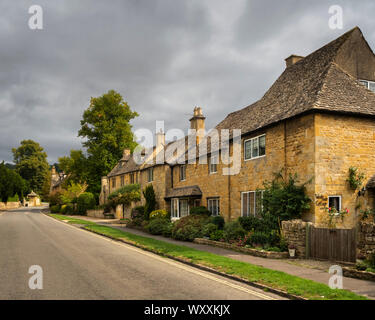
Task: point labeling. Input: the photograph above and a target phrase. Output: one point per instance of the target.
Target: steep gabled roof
(316, 82)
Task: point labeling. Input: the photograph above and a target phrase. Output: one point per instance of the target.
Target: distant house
(33, 200)
(56, 180)
(316, 120)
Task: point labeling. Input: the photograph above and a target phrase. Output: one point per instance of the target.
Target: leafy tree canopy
(106, 131)
(11, 184)
(31, 163)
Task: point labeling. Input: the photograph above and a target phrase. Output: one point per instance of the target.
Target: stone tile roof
(316, 82)
(191, 191)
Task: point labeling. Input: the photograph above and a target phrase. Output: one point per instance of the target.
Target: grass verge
(71, 220)
(276, 279)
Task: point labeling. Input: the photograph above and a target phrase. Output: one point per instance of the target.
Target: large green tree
(31, 164)
(106, 130)
(11, 184)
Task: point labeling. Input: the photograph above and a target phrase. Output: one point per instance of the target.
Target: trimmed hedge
(86, 201)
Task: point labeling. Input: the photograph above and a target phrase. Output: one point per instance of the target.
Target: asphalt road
(77, 264)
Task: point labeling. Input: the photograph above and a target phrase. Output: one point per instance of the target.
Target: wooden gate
(332, 244)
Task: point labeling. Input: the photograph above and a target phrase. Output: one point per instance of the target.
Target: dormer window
(368, 84)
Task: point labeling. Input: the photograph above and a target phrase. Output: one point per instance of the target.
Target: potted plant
(292, 250)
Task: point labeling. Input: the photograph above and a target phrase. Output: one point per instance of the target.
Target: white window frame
(175, 204)
(217, 213)
(213, 164)
(340, 201)
(248, 203)
(252, 143)
(367, 83)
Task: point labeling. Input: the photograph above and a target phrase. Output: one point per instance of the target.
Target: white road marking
(174, 263)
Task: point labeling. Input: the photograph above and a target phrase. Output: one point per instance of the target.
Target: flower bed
(353, 273)
(250, 251)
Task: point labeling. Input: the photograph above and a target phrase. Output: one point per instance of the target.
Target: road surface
(77, 264)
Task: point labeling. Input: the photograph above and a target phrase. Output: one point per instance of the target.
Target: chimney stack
(197, 123)
(126, 154)
(292, 60)
(160, 139)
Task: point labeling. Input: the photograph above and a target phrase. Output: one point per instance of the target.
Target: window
(255, 147)
(132, 178)
(368, 84)
(197, 202)
(179, 208)
(182, 172)
(251, 203)
(213, 205)
(150, 173)
(213, 164)
(114, 182)
(334, 202)
(122, 181)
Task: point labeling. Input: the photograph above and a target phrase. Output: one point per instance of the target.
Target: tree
(76, 166)
(11, 184)
(107, 130)
(31, 163)
(149, 195)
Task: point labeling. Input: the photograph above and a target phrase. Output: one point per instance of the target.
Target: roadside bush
(371, 260)
(233, 231)
(167, 231)
(218, 221)
(190, 227)
(138, 212)
(208, 229)
(217, 235)
(159, 214)
(86, 201)
(157, 225)
(67, 209)
(200, 211)
(55, 199)
(252, 223)
(259, 238)
(55, 209)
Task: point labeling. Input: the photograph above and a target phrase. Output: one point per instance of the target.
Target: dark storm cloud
(163, 56)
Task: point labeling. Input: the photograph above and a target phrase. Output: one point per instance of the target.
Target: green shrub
(55, 209)
(208, 229)
(217, 235)
(200, 211)
(138, 212)
(259, 238)
(218, 221)
(371, 260)
(190, 227)
(157, 225)
(167, 231)
(233, 231)
(55, 199)
(67, 209)
(159, 214)
(86, 201)
(253, 223)
(150, 205)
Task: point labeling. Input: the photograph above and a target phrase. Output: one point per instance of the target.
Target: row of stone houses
(317, 120)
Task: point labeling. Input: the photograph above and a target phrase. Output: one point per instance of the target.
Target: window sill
(255, 158)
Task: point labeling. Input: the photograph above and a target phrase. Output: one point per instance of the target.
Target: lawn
(71, 220)
(275, 279)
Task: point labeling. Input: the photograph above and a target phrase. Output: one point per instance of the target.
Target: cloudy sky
(163, 56)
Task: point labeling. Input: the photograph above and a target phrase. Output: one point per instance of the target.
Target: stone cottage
(317, 120)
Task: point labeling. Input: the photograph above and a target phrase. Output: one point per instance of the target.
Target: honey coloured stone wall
(366, 239)
(294, 231)
(342, 142)
(289, 149)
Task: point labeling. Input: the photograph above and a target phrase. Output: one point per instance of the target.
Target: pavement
(77, 264)
(308, 269)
